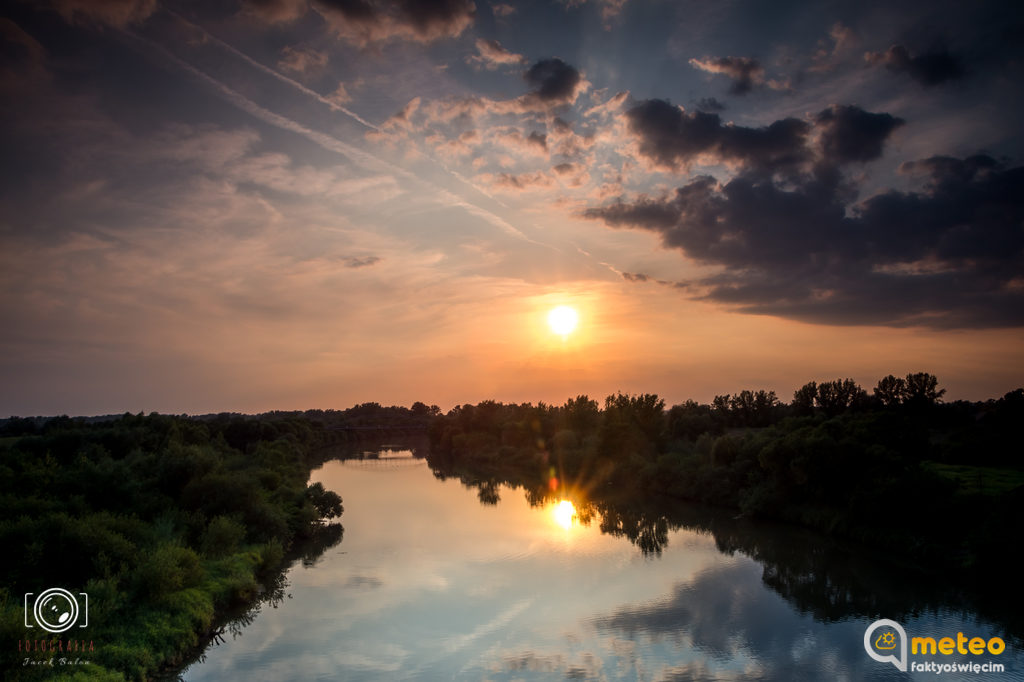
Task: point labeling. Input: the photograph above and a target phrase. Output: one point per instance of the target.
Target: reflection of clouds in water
(727, 615)
(698, 671)
(499, 599)
(496, 623)
(367, 581)
(588, 667)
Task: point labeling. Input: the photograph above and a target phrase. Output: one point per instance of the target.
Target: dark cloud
(120, 13)
(538, 140)
(274, 11)
(849, 133)
(436, 17)
(361, 261)
(20, 53)
(949, 255)
(355, 11)
(673, 138)
(745, 72)
(929, 68)
(364, 22)
(553, 81)
(709, 104)
(635, 276)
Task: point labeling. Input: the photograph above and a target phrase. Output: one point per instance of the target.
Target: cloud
(276, 11)
(209, 37)
(503, 10)
(554, 82)
(673, 138)
(826, 58)
(929, 68)
(849, 133)
(361, 261)
(553, 85)
(512, 182)
(610, 9)
(299, 60)
(365, 22)
(491, 55)
(24, 56)
(340, 95)
(745, 72)
(119, 13)
(710, 104)
(947, 256)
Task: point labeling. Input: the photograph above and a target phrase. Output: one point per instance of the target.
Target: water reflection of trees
(829, 580)
(274, 590)
(369, 445)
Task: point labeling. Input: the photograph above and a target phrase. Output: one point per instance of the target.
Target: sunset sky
(290, 204)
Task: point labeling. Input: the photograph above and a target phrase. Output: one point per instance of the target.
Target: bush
(222, 537)
(326, 502)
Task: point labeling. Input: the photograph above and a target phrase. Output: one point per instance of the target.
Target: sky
(252, 205)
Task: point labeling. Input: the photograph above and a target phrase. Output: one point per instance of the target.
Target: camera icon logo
(56, 610)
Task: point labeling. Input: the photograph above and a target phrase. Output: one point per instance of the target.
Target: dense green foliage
(897, 469)
(164, 522)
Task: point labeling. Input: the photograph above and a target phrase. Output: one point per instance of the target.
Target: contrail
(271, 72)
(472, 208)
(331, 143)
(247, 105)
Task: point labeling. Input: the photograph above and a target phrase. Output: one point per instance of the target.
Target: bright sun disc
(564, 512)
(562, 320)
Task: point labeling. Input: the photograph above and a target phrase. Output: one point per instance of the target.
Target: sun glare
(563, 320)
(564, 512)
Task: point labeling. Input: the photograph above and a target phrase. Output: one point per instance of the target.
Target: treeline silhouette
(166, 523)
(895, 468)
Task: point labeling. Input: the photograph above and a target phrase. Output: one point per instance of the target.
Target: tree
(840, 395)
(804, 398)
(922, 389)
(581, 414)
(632, 424)
(890, 390)
(326, 502)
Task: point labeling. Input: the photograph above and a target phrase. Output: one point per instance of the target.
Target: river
(437, 579)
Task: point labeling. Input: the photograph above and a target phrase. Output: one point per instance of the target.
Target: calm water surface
(429, 583)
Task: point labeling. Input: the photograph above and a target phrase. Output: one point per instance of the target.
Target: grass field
(979, 480)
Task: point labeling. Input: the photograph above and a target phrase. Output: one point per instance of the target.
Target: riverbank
(937, 483)
(155, 525)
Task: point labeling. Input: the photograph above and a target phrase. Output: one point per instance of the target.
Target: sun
(563, 320)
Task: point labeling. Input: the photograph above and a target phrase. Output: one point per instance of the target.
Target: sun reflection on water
(564, 513)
